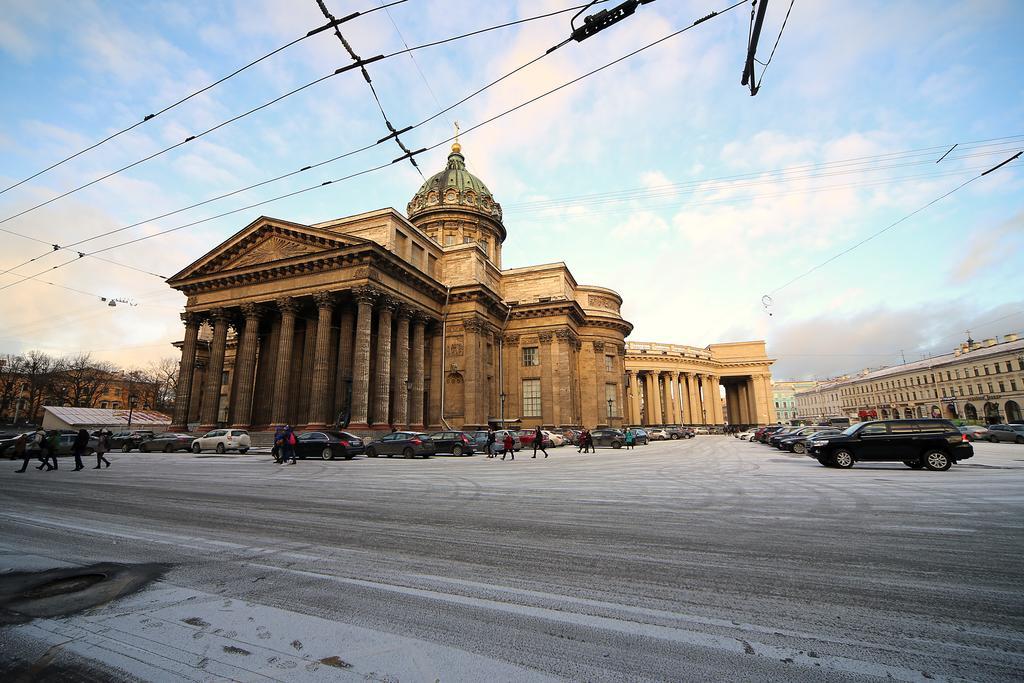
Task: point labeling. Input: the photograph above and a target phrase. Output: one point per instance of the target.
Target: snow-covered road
(708, 559)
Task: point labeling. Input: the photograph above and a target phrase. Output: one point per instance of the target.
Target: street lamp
(501, 397)
(610, 404)
(131, 407)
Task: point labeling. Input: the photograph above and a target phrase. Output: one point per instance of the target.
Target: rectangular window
(449, 239)
(531, 397)
(431, 265)
(401, 244)
(980, 389)
(997, 368)
(417, 256)
(610, 400)
(1013, 385)
(530, 356)
(976, 373)
(1002, 386)
(609, 363)
(990, 389)
(986, 369)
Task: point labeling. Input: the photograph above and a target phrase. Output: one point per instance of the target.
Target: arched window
(1013, 412)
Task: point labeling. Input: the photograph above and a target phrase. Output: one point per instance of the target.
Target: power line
(425, 149)
(777, 38)
(338, 157)
(149, 117)
(358, 64)
(892, 225)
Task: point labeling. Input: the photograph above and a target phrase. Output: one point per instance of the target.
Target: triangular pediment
(266, 241)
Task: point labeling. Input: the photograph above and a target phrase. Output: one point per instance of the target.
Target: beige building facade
(380, 320)
(670, 384)
(784, 397)
(978, 381)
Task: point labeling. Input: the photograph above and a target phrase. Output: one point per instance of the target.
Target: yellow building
(977, 381)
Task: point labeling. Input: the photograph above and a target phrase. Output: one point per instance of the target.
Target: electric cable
(424, 149)
(777, 38)
(340, 70)
(149, 117)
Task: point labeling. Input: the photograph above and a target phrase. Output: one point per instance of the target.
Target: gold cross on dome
(456, 132)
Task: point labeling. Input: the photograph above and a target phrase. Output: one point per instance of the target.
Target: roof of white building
(111, 418)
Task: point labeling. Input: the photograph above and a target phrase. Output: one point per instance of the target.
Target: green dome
(454, 188)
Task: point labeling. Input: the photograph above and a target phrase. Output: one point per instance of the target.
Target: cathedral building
(381, 320)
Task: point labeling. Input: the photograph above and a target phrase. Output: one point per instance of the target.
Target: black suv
(935, 444)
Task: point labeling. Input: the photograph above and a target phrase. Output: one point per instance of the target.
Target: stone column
(266, 372)
(382, 380)
(417, 371)
(693, 391)
(633, 416)
(434, 408)
(186, 370)
(245, 367)
(547, 379)
(283, 371)
(666, 398)
(512, 383)
(752, 399)
(211, 401)
(343, 375)
(320, 381)
(365, 297)
(400, 388)
(742, 404)
(716, 400)
(684, 408)
(599, 397)
(560, 377)
(308, 359)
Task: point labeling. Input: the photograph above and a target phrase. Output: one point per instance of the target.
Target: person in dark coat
(491, 437)
(288, 446)
(510, 446)
(79, 447)
(21, 451)
(278, 444)
(589, 443)
(538, 442)
(102, 446)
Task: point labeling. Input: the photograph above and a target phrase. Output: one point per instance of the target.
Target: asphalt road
(708, 559)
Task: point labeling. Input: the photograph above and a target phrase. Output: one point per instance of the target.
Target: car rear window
(238, 432)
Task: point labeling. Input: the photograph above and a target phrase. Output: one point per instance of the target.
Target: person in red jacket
(510, 446)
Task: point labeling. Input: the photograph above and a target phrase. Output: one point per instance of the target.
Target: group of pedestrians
(43, 447)
(585, 442)
(284, 445)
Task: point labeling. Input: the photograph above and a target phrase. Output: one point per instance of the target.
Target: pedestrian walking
(288, 443)
(589, 443)
(630, 439)
(510, 446)
(275, 452)
(79, 447)
(491, 438)
(21, 450)
(581, 440)
(51, 446)
(40, 446)
(102, 446)
(538, 442)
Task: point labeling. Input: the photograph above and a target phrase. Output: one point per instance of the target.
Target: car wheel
(327, 454)
(913, 464)
(1019, 439)
(196, 448)
(408, 453)
(937, 461)
(220, 448)
(125, 448)
(349, 456)
(843, 459)
(675, 436)
(243, 451)
(616, 444)
(457, 450)
(371, 453)
(168, 448)
(799, 448)
(992, 439)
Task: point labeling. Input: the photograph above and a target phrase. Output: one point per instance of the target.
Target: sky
(718, 216)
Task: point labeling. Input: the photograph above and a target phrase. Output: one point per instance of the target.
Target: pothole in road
(59, 592)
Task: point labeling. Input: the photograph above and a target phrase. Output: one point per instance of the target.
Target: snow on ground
(711, 558)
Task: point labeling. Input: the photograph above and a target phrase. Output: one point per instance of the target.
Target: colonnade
(669, 397)
(305, 360)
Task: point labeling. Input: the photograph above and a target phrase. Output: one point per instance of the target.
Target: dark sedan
(167, 442)
(608, 437)
(974, 432)
(407, 444)
(456, 443)
(128, 441)
(328, 445)
(777, 438)
(798, 443)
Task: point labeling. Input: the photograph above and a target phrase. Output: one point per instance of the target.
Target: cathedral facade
(380, 321)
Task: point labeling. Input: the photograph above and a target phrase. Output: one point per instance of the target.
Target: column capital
(510, 340)
(546, 337)
(388, 303)
(191, 318)
(475, 324)
(620, 349)
(599, 346)
(251, 311)
(404, 312)
(219, 314)
(287, 304)
(421, 317)
(365, 294)
(325, 299)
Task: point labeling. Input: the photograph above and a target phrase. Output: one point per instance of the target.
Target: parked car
(798, 442)
(934, 444)
(571, 436)
(222, 440)
(328, 445)
(499, 435)
(129, 441)
(456, 443)
(526, 438)
(168, 442)
(658, 435)
(763, 433)
(679, 432)
(608, 437)
(974, 432)
(701, 430)
(777, 438)
(747, 435)
(7, 442)
(640, 436)
(1010, 432)
(556, 438)
(407, 444)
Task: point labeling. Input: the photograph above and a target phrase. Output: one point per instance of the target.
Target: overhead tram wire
(364, 148)
(488, 121)
(394, 133)
(777, 38)
(894, 224)
(277, 99)
(150, 117)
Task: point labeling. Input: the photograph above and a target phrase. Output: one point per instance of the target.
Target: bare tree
(82, 379)
(164, 374)
(12, 384)
(39, 373)
(142, 388)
